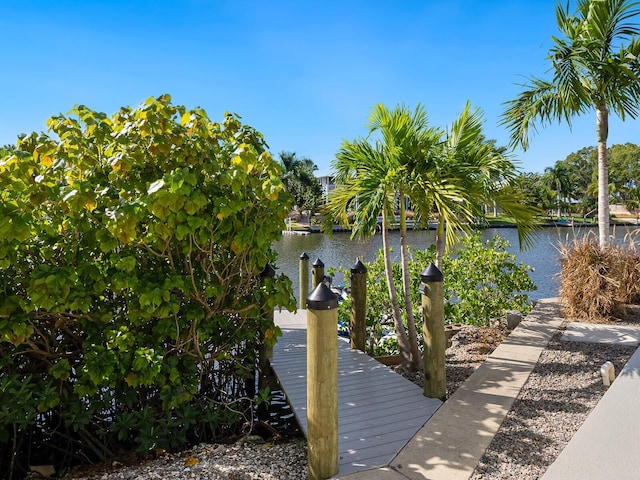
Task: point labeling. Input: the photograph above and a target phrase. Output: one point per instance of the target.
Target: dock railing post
(304, 278)
(317, 273)
(431, 288)
(358, 324)
(266, 348)
(322, 383)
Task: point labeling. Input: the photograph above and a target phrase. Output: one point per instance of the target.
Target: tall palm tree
(373, 177)
(366, 182)
(592, 68)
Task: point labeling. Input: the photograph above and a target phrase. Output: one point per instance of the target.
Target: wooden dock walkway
(379, 411)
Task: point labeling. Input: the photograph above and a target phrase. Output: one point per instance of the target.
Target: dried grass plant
(596, 284)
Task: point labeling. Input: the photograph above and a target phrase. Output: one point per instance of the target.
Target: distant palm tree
(558, 180)
(592, 69)
(299, 180)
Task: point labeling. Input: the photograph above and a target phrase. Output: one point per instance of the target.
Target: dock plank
(379, 411)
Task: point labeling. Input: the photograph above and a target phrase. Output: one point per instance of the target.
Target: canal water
(340, 251)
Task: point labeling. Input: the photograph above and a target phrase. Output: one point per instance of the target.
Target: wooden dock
(379, 411)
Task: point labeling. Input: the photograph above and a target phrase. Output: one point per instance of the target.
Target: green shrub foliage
(131, 249)
(482, 280)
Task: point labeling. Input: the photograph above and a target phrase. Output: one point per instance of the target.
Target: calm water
(341, 251)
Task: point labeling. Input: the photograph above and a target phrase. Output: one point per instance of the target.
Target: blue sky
(305, 74)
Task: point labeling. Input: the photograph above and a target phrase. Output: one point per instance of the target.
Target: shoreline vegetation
(501, 221)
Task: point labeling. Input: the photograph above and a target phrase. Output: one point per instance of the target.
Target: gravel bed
(559, 395)
(239, 461)
(469, 348)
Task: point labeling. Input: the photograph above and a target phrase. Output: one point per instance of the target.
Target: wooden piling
(431, 288)
(322, 383)
(317, 273)
(304, 279)
(358, 323)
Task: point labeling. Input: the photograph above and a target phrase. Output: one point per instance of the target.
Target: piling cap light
(358, 267)
(322, 298)
(268, 272)
(431, 274)
(318, 263)
(304, 256)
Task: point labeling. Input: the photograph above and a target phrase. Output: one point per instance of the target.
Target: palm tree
(367, 177)
(473, 172)
(406, 136)
(592, 69)
(373, 177)
(299, 180)
(452, 174)
(558, 180)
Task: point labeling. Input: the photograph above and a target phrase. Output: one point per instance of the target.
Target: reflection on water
(340, 251)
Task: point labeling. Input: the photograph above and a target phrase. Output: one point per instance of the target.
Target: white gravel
(240, 461)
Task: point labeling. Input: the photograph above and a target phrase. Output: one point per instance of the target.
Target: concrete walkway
(597, 333)
(606, 445)
(450, 444)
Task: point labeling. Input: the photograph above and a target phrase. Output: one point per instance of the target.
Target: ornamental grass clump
(596, 282)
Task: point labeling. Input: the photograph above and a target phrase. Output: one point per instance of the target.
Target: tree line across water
(568, 188)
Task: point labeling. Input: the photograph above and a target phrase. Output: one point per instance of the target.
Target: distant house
(326, 182)
(619, 210)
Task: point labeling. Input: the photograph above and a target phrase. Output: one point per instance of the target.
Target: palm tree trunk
(416, 359)
(403, 340)
(602, 127)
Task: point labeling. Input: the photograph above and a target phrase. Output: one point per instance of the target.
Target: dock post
(304, 278)
(317, 273)
(431, 288)
(266, 348)
(358, 324)
(322, 383)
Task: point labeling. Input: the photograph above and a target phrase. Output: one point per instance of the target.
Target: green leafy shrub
(481, 282)
(131, 249)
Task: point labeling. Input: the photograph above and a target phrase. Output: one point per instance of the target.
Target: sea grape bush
(131, 249)
(482, 280)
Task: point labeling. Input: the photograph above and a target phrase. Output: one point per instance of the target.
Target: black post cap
(304, 256)
(268, 271)
(431, 274)
(322, 298)
(358, 267)
(318, 263)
